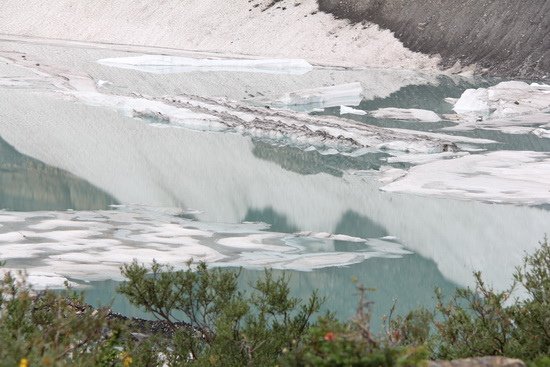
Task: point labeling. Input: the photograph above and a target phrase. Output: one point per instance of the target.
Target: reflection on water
(28, 184)
(409, 281)
(312, 162)
(432, 97)
(228, 178)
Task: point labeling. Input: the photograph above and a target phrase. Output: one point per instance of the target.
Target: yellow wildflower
(127, 360)
(24, 362)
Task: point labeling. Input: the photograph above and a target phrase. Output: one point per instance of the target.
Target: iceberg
(506, 104)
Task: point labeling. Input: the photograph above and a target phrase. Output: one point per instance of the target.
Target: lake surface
(85, 188)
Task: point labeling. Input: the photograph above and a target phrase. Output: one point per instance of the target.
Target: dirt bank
(506, 37)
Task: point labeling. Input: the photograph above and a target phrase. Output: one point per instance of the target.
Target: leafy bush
(226, 327)
(482, 321)
(266, 326)
(52, 329)
(212, 323)
(334, 343)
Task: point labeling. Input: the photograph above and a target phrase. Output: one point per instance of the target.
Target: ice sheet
(328, 134)
(425, 158)
(156, 112)
(519, 177)
(163, 64)
(283, 126)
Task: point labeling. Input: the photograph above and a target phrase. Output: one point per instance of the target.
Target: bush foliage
(211, 322)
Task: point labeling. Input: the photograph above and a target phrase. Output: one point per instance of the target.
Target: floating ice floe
(81, 245)
(305, 100)
(151, 110)
(163, 64)
(519, 177)
(327, 133)
(302, 130)
(505, 104)
(446, 137)
(424, 158)
(39, 280)
(345, 110)
(411, 114)
(306, 131)
(541, 132)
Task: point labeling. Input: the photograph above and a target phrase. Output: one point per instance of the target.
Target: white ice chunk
(516, 130)
(163, 64)
(424, 158)
(411, 114)
(541, 86)
(390, 174)
(154, 111)
(335, 95)
(510, 103)
(352, 111)
(520, 177)
(541, 133)
(111, 238)
(44, 280)
(39, 280)
(330, 236)
(447, 137)
(473, 101)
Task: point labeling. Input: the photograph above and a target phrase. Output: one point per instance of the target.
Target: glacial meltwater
(391, 177)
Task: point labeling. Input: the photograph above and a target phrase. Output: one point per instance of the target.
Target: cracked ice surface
(85, 245)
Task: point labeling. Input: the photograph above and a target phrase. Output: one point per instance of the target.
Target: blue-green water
(58, 156)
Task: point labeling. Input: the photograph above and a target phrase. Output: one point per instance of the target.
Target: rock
(479, 362)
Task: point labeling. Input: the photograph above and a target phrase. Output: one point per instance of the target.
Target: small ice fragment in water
(352, 111)
(412, 114)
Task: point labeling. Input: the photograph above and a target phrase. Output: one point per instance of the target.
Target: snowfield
(291, 29)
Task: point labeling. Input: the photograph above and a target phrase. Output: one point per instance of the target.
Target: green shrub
(482, 321)
(52, 329)
(334, 343)
(226, 327)
(213, 323)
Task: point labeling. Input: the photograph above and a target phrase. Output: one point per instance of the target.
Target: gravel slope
(286, 28)
(505, 37)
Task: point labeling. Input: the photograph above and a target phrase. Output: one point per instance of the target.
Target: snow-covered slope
(290, 28)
